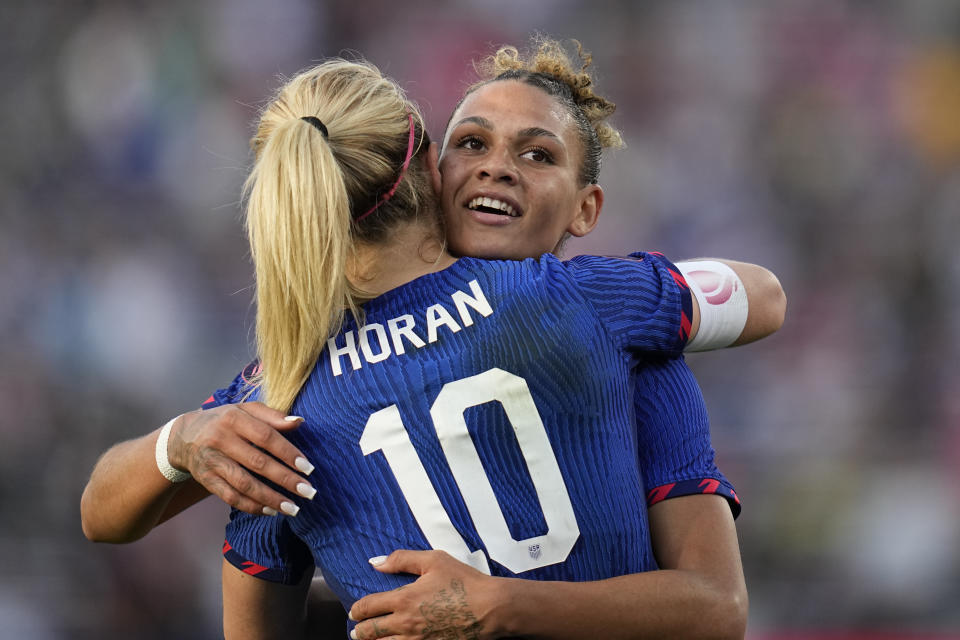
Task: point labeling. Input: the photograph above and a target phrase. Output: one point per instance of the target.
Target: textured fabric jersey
(484, 410)
(673, 435)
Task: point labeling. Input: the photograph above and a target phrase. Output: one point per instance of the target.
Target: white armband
(723, 303)
(169, 472)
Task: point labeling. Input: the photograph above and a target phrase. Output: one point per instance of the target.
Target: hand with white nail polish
(229, 449)
(449, 599)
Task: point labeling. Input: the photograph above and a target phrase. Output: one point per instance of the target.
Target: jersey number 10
(385, 432)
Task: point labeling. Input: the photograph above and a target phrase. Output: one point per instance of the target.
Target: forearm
(668, 603)
(227, 450)
(699, 593)
(127, 496)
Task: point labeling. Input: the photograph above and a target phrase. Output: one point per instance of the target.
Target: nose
(498, 166)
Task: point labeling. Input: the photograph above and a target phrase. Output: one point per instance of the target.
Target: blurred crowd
(820, 138)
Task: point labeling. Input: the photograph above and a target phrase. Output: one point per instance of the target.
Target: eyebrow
(529, 132)
(539, 132)
(477, 120)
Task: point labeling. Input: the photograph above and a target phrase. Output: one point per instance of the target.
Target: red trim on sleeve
(659, 494)
(679, 279)
(695, 486)
(709, 485)
(684, 325)
(252, 568)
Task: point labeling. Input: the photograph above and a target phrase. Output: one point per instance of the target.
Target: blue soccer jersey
(485, 410)
(673, 435)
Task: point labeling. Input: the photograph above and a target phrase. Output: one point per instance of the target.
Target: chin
(478, 250)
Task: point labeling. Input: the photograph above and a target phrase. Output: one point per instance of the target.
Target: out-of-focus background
(820, 138)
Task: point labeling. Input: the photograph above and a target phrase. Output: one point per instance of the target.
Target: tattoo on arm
(448, 616)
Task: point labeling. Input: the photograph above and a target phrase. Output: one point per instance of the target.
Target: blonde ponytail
(309, 182)
(298, 222)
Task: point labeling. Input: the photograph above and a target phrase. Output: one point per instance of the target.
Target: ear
(591, 202)
(433, 166)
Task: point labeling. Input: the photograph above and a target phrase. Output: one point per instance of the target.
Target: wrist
(167, 470)
(503, 617)
(176, 449)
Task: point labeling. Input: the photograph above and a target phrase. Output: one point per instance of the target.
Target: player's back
(486, 410)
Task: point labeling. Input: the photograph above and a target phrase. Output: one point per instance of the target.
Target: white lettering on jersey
(437, 317)
(478, 302)
(405, 331)
(376, 346)
(384, 346)
(350, 349)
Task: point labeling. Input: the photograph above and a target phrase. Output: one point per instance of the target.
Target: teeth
(491, 203)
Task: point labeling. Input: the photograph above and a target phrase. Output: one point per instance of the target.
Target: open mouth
(492, 205)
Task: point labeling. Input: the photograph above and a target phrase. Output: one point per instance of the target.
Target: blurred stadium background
(820, 138)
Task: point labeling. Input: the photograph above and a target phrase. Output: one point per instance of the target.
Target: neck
(413, 249)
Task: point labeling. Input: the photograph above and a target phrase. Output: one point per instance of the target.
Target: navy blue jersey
(673, 435)
(485, 410)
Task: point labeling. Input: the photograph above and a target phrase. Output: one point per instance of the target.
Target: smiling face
(510, 165)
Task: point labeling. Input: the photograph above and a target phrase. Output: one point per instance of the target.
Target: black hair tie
(315, 121)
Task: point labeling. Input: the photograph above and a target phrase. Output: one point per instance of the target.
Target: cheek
(448, 218)
(557, 211)
(457, 238)
(450, 174)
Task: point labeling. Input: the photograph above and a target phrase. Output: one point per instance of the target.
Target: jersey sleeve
(266, 547)
(239, 390)
(673, 435)
(261, 546)
(642, 300)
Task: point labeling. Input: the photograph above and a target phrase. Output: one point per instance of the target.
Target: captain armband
(723, 303)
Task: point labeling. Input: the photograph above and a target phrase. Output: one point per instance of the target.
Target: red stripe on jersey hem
(695, 486)
(659, 494)
(253, 568)
(249, 567)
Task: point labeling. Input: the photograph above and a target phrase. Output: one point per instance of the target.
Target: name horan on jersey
(374, 342)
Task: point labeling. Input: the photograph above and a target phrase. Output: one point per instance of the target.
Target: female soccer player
(693, 535)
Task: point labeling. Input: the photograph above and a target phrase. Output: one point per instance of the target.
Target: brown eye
(470, 143)
(538, 154)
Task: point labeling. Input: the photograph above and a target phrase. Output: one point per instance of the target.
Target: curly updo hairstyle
(548, 67)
